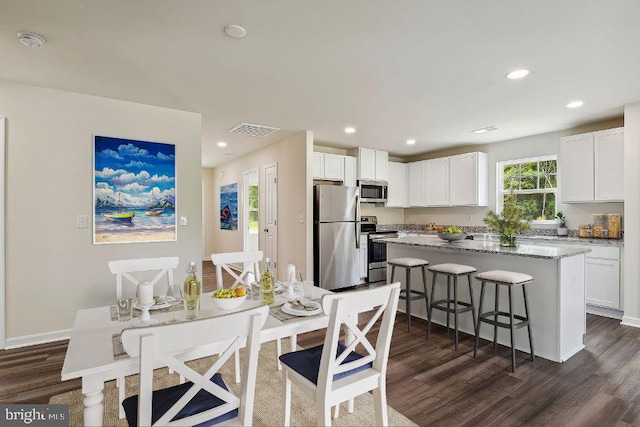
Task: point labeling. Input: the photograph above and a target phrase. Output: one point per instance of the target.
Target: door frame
(3, 310)
(264, 215)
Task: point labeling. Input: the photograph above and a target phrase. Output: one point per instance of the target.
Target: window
(534, 182)
(253, 209)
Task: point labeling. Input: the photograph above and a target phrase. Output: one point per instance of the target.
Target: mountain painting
(134, 191)
(229, 206)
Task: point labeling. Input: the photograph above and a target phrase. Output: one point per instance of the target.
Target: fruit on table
(224, 293)
(240, 291)
(452, 230)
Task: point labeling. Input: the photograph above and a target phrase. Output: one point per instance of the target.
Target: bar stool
(408, 294)
(451, 271)
(509, 279)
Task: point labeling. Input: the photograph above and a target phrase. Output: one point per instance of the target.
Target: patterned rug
(269, 399)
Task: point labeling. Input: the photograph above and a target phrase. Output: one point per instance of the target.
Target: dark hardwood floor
(433, 385)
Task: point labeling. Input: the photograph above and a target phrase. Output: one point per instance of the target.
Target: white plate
(278, 287)
(288, 308)
(160, 302)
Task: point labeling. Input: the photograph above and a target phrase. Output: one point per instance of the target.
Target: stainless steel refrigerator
(336, 236)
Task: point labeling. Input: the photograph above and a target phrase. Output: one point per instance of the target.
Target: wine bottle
(267, 284)
(192, 291)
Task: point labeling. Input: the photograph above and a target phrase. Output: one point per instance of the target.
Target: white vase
(562, 231)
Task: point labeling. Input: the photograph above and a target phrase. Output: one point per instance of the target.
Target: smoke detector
(235, 31)
(30, 39)
(253, 129)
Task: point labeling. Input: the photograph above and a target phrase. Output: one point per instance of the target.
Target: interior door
(2, 302)
(270, 209)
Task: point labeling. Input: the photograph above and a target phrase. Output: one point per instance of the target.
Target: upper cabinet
(397, 195)
(449, 181)
(334, 167)
(591, 167)
(469, 179)
(373, 164)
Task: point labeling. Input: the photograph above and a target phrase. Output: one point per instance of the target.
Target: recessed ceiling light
(575, 104)
(517, 74)
(411, 141)
(222, 144)
(349, 129)
(235, 31)
(30, 39)
(484, 129)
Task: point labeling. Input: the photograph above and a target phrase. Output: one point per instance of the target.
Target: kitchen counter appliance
(376, 251)
(336, 236)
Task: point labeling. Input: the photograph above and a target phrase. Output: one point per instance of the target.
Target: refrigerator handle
(357, 220)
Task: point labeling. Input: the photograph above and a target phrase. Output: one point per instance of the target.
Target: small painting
(134, 191)
(229, 206)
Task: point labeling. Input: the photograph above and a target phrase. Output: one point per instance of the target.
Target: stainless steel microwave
(373, 191)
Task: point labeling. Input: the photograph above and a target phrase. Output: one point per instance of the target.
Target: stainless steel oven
(376, 251)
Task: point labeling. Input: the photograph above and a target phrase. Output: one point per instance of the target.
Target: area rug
(269, 399)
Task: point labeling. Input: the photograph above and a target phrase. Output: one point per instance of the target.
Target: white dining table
(90, 354)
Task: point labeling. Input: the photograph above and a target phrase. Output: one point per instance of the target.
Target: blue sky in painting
(134, 169)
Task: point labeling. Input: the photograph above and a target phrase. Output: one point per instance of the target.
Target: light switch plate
(82, 221)
(183, 220)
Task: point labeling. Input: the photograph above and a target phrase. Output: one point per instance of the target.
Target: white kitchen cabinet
(417, 184)
(364, 266)
(318, 165)
(608, 148)
(437, 182)
(328, 166)
(591, 167)
(350, 171)
(397, 187)
(372, 164)
(468, 179)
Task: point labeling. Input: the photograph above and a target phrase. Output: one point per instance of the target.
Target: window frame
(500, 179)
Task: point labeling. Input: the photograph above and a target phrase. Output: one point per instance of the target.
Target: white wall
(531, 146)
(52, 267)
(631, 269)
(294, 198)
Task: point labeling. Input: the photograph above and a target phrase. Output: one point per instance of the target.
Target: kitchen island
(556, 295)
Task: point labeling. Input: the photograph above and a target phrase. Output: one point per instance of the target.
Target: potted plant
(509, 222)
(562, 229)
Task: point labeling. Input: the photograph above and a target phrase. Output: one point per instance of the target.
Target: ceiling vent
(253, 130)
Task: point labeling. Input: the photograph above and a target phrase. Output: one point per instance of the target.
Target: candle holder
(145, 318)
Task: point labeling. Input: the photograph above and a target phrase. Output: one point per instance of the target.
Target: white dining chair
(132, 269)
(206, 398)
(135, 271)
(334, 372)
(248, 262)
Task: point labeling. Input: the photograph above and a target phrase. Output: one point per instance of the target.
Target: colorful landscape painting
(229, 206)
(134, 191)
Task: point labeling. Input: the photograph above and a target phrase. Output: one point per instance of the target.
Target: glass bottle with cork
(267, 283)
(192, 292)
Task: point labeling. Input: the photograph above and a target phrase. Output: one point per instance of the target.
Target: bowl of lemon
(229, 299)
(451, 234)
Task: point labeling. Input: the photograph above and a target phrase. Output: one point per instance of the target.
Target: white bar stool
(408, 294)
(451, 271)
(509, 279)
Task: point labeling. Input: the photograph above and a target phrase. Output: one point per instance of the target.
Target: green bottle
(267, 284)
(192, 292)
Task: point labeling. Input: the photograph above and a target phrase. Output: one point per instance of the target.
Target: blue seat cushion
(307, 362)
(165, 398)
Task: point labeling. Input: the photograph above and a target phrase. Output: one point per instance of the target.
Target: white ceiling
(431, 70)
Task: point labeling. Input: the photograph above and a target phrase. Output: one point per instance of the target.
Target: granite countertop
(535, 238)
(523, 250)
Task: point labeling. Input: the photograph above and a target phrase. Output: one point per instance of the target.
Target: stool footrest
(414, 295)
(442, 305)
(484, 318)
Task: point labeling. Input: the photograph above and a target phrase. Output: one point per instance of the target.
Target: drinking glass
(125, 305)
(175, 294)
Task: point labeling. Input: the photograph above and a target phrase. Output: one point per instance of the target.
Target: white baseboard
(604, 311)
(630, 321)
(28, 340)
